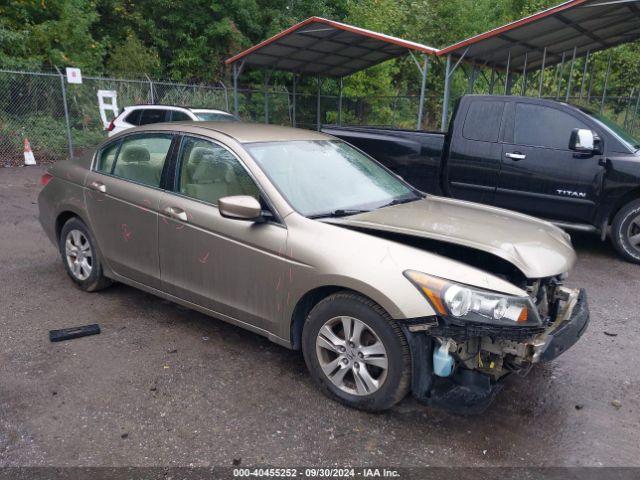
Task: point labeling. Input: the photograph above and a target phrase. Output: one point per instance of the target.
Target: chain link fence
(60, 119)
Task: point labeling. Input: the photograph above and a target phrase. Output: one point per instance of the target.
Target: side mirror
(240, 207)
(584, 141)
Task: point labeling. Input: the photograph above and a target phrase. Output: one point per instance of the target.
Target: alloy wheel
(633, 233)
(78, 254)
(351, 355)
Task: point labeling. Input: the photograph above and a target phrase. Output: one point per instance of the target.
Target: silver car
(302, 238)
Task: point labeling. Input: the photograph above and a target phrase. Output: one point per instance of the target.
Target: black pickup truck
(556, 161)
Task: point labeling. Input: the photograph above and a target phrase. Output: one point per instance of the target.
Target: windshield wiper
(400, 201)
(341, 212)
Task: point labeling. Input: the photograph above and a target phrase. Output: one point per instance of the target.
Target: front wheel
(625, 232)
(356, 353)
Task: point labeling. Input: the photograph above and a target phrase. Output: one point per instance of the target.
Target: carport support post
(445, 100)
(593, 64)
(66, 113)
(267, 75)
(559, 72)
(493, 80)
(235, 88)
(573, 60)
(506, 78)
(544, 61)
(293, 106)
(606, 84)
(472, 78)
(424, 70)
(340, 103)
(584, 73)
(318, 104)
(524, 74)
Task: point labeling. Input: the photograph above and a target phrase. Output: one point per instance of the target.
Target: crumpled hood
(536, 247)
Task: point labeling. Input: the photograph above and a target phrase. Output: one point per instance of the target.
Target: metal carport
(565, 32)
(325, 48)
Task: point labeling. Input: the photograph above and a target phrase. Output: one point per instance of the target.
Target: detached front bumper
(567, 333)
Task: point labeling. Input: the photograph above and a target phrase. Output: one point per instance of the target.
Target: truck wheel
(625, 232)
(80, 257)
(356, 353)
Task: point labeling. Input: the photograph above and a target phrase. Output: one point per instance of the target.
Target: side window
(178, 116)
(107, 157)
(540, 126)
(152, 115)
(134, 117)
(483, 121)
(209, 171)
(142, 157)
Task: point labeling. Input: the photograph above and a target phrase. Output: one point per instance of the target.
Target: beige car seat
(134, 164)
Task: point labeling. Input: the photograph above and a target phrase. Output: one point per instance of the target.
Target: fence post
(150, 89)
(66, 112)
(226, 95)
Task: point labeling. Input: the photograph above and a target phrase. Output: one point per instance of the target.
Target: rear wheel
(80, 257)
(356, 353)
(625, 232)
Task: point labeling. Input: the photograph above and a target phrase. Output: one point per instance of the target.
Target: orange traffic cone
(29, 159)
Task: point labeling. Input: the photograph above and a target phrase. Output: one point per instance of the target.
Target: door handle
(99, 186)
(515, 156)
(178, 213)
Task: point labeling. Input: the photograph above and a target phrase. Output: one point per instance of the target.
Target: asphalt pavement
(166, 386)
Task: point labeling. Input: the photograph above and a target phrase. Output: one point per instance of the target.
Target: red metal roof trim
(510, 26)
(342, 26)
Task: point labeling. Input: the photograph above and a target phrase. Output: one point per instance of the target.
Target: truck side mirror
(584, 140)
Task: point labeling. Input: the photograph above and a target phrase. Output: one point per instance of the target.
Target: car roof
(193, 109)
(239, 131)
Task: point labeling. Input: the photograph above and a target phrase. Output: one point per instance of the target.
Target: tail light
(46, 178)
(111, 125)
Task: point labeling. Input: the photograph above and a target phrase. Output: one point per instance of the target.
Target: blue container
(443, 361)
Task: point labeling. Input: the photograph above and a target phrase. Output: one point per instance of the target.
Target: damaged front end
(461, 355)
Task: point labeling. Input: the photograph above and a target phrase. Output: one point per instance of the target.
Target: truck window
(540, 126)
(483, 121)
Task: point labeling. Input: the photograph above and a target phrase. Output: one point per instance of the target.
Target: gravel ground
(166, 386)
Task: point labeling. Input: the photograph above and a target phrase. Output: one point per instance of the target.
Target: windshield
(215, 117)
(321, 178)
(621, 133)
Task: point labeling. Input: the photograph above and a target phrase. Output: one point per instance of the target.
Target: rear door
(229, 266)
(123, 197)
(540, 175)
(473, 164)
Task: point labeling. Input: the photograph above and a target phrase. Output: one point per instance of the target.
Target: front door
(229, 266)
(123, 196)
(540, 175)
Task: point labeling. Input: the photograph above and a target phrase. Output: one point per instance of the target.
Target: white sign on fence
(107, 102)
(74, 75)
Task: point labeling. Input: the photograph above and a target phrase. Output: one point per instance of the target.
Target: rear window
(483, 121)
(134, 117)
(152, 115)
(106, 157)
(178, 116)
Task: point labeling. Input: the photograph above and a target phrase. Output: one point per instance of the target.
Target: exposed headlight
(457, 301)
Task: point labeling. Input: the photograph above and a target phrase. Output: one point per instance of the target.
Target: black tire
(626, 223)
(95, 280)
(397, 376)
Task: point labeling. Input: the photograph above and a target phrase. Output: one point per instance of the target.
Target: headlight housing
(464, 303)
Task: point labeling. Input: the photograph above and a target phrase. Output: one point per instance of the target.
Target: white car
(136, 115)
